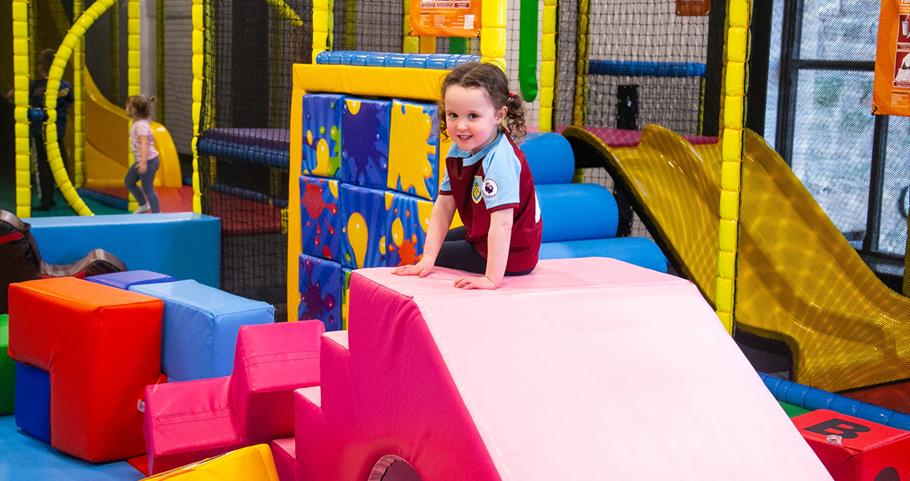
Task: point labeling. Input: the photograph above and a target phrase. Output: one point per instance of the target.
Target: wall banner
(445, 18)
(891, 94)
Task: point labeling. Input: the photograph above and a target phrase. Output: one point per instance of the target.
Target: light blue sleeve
(501, 176)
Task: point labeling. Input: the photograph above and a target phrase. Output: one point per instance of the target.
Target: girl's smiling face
(471, 119)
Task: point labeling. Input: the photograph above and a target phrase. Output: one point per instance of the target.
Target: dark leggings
(457, 253)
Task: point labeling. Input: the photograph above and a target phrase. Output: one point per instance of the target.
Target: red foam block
(101, 346)
(854, 449)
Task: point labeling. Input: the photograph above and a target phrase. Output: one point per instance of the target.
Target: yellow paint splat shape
(412, 153)
(382, 245)
(333, 187)
(423, 211)
(353, 106)
(358, 233)
(309, 137)
(322, 156)
(388, 201)
(397, 232)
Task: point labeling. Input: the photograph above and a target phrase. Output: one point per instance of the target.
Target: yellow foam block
(252, 463)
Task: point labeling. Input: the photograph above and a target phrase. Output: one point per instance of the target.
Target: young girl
(138, 108)
(487, 180)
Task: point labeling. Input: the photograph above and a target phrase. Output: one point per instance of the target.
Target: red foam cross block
(101, 346)
(854, 449)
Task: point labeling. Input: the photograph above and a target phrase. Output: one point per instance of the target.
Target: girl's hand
(423, 268)
(482, 282)
(141, 168)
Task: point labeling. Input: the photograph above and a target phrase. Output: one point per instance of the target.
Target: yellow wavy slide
(107, 144)
(799, 280)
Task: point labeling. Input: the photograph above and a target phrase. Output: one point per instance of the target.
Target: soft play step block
(33, 400)
(414, 166)
(320, 217)
(100, 346)
(406, 221)
(365, 142)
(188, 421)
(284, 452)
(271, 362)
(7, 369)
(363, 227)
(854, 449)
(127, 279)
(504, 393)
(252, 463)
(320, 291)
(200, 327)
(322, 134)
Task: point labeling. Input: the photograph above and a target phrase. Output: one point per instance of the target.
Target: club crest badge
(476, 194)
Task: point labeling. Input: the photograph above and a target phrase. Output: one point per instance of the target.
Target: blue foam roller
(376, 59)
(344, 58)
(185, 245)
(634, 250)
(324, 57)
(33, 401)
(200, 325)
(438, 61)
(395, 60)
(416, 60)
(550, 158)
(360, 58)
(123, 280)
(577, 211)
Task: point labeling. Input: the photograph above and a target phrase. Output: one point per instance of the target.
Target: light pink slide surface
(586, 369)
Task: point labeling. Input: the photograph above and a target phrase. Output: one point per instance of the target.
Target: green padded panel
(792, 410)
(7, 369)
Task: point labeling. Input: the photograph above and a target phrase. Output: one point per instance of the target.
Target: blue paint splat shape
(365, 135)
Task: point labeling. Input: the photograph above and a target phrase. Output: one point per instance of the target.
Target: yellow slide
(798, 280)
(107, 144)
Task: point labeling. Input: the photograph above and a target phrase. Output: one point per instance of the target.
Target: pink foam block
(271, 361)
(188, 421)
(584, 369)
(284, 452)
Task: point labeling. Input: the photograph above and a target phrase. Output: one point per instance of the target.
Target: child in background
(138, 108)
(487, 180)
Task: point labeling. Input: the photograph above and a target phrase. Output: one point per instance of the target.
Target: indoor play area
(721, 189)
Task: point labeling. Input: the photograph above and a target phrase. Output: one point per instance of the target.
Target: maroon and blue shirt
(496, 178)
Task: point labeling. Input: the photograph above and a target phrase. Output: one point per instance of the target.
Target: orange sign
(445, 18)
(891, 95)
(693, 8)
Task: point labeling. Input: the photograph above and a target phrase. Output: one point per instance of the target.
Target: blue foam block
(320, 291)
(365, 132)
(577, 211)
(33, 401)
(550, 158)
(320, 217)
(634, 250)
(406, 221)
(200, 327)
(185, 245)
(363, 218)
(123, 280)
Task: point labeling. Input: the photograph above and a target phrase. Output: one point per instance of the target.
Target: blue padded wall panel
(577, 211)
(365, 133)
(183, 245)
(320, 290)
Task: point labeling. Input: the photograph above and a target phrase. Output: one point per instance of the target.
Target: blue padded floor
(24, 458)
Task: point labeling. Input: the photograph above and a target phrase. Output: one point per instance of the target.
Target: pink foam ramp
(271, 361)
(188, 421)
(585, 369)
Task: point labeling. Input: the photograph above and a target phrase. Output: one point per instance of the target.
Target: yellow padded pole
(350, 24)
(64, 52)
(581, 64)
(21, 71)
(79, 104)
(734, 87)
(493, 33)
(320, 27)
(547, 65)
(198, 62)
(410, 43)
(133, 68)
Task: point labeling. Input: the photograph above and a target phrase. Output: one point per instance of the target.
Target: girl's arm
(440, 220)
(499, 238)
(143, 153)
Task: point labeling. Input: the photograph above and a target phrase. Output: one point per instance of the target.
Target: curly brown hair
(494, 82)
(141, 105)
